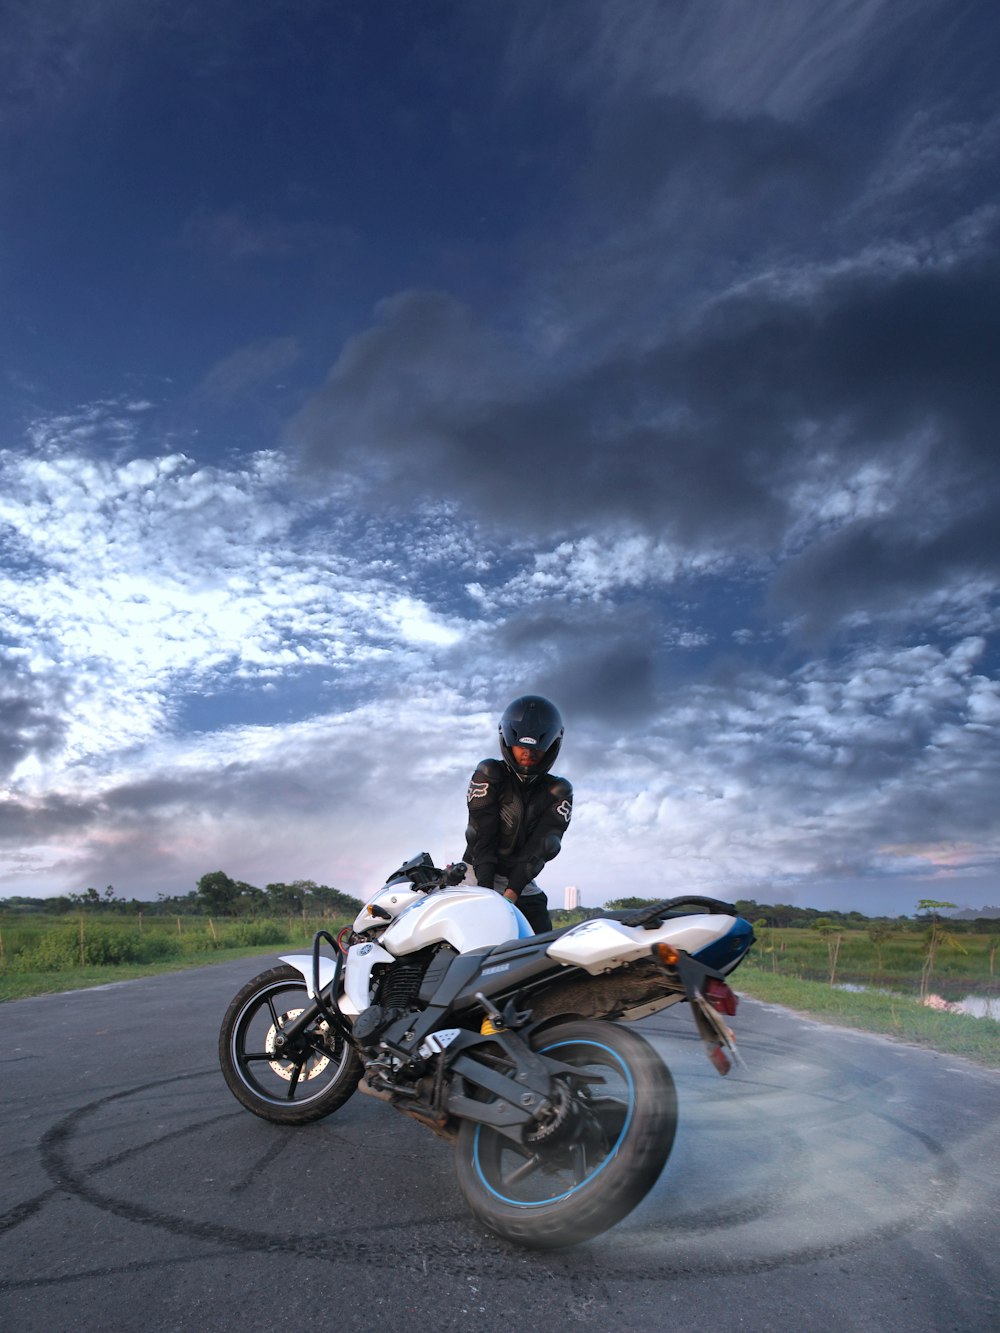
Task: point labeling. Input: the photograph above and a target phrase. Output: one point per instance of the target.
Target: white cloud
(417, 624)
(599, 566)
(134, 581)
(249, 367)
(780, 59)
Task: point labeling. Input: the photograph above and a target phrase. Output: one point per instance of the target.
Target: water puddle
(981, 1006)
(976, 1006)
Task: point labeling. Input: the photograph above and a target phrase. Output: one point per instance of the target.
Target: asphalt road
(839, 1181)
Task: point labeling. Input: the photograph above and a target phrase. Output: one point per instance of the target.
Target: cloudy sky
(365, 363)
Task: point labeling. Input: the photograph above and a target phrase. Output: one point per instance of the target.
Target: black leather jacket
(514, 828)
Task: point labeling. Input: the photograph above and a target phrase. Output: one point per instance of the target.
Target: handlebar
(424, 874)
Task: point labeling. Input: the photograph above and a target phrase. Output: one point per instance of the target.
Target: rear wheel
(311, 1082)
(599, 1154)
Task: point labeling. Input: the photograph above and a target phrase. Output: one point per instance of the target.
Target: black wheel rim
(283, 1082)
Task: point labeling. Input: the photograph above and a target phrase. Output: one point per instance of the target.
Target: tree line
(217, 894)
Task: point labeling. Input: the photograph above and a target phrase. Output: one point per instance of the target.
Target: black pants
(535, 907)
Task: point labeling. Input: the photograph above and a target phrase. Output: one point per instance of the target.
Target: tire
(283, 1090)
(561, 1192)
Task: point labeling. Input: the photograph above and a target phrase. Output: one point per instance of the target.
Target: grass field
(901, 1016)
(44, 954)
(966, 962)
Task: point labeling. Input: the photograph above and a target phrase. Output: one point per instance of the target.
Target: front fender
(303, 962)
(355, 993)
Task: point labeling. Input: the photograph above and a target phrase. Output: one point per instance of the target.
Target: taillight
(720, 996)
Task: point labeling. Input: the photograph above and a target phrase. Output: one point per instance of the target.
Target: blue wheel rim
(609, 1156)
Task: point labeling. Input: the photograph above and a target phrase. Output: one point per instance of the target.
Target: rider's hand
(510, 895)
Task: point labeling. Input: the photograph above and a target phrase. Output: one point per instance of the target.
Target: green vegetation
(905, 969)
(890, 958)
(42, 953)
(86, 939)
(217, 895)
(22, 985)
(903, 1017)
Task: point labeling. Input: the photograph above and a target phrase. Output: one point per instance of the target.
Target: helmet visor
(527, 757)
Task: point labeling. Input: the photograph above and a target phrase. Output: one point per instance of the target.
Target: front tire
(291, 1091)
(567, 1187)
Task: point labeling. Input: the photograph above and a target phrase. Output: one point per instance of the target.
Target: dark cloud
(886, 352)
(24, 822)
(701, 438)
(872, 567)
(599, 664)
(775, 264)
(247, 789)
(31, 721)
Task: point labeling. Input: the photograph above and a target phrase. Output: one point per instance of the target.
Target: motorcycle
(440, 1001)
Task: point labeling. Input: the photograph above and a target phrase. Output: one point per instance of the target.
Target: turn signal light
(666, 954)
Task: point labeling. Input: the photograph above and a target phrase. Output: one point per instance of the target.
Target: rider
(518, 810)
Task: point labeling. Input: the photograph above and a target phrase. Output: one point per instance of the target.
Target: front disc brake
(314, 1063)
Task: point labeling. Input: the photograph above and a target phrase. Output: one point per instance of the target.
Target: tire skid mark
(67, 1178)
(112, 1270)
(265, 1159)
(104, 1163)
(482, 1254)
(22, 1211)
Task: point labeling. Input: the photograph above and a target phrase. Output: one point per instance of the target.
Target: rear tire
(562, 1191)
(285, 1091)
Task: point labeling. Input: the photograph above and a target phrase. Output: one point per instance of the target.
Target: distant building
(571, 897)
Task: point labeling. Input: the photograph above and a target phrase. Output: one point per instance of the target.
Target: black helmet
(535, 723)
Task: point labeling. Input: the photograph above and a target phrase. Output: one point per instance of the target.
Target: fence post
(211, 926)
(82, 963)
(834, 950)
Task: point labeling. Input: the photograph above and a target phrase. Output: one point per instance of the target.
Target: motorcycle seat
(530, 943)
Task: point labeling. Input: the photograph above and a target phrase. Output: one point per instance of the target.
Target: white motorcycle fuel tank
(466, 918)
(385, 904)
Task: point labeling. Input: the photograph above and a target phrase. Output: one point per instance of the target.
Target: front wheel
(317, 1078)
(603, 1149)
